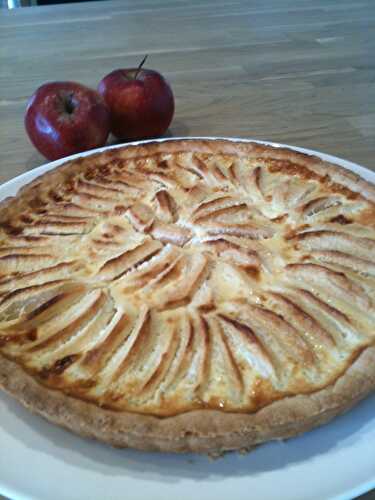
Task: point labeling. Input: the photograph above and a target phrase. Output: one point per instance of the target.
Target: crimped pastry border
(203, 431)
(200, 431)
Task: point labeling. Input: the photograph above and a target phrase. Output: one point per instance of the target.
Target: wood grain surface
(297, 71)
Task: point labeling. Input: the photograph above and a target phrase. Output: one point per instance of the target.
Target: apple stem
(69, 103)
(140, 66)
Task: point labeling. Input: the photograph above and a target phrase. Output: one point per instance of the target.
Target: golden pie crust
(189, 295)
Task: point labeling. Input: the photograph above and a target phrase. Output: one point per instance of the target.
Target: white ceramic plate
(39, 461)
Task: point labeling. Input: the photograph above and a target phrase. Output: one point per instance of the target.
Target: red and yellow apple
(63, 118)
(140, 101)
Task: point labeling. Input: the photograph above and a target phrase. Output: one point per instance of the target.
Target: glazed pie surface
(185, 275)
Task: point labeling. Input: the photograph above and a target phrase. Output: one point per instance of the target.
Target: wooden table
(295, 71)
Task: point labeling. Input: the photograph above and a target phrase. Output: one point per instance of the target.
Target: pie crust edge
(202, 431)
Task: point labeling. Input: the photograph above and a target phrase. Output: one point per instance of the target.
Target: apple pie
(189, 295)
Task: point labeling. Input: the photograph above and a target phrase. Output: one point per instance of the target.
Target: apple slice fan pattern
(229, 285)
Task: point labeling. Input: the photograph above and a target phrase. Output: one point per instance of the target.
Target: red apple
(63, 118)
(140, 101)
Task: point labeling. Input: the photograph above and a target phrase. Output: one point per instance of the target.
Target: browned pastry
(195, 295)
